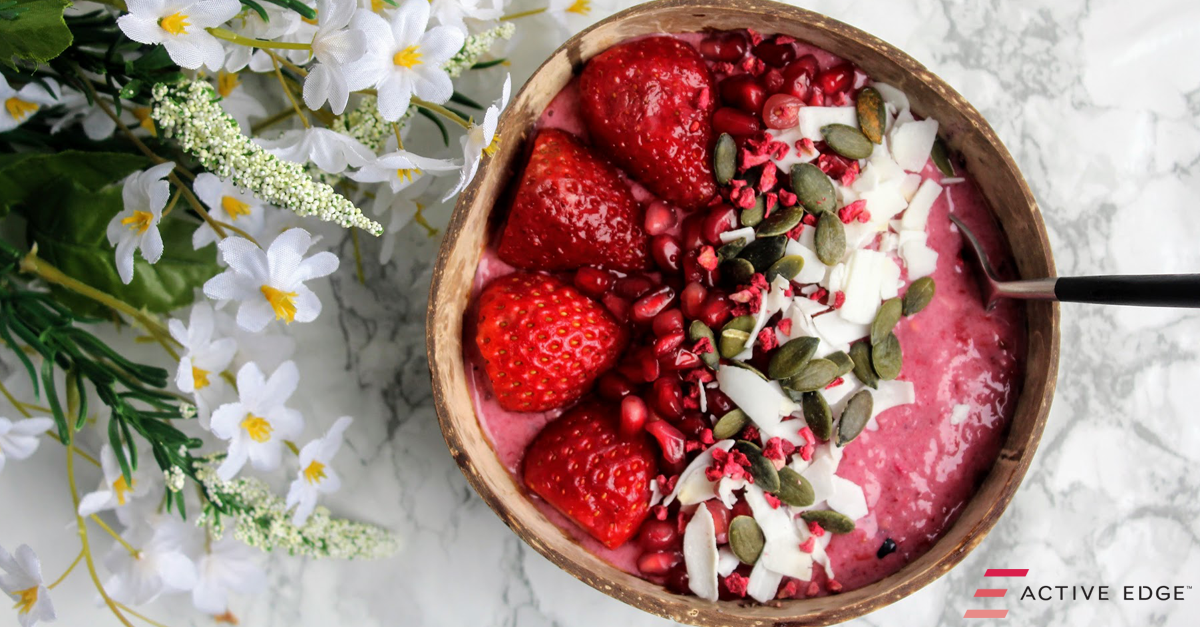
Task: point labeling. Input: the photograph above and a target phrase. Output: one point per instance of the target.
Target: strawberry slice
(543, 343)
(601, 480)
(648, 105)
(571, 209)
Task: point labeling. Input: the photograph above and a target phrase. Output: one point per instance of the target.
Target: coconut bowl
(965, 132)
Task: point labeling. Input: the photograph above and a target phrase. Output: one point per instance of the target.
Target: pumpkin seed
(780, 222)
(761, 468)
(733, 342)
(794, 489)
(752, 216)
(871, 114)
(788, 360)
(941, 157)
(746, 539)
(741, 323)
(745, 366)
(817, 374)
(764, 251)
(860, 353)
(730, 424)
(847, 141)
(725, 159)
(887, 358)
(830, 239)
(731, 249)
(817, 415)
(788, 267)
(855, 416)
(813, 188)
(697, 331)
(919, 295)
(737, 271)
(842, 361)
(829, 520)
(885, 320)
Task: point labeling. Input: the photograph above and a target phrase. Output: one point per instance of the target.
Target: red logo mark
(995, 593)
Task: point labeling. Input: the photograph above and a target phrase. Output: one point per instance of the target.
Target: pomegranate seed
(660, 218)
(658, 563)
(744, 92)
(668, 397)
(665, 250)
(719, 219)
(657, 535)
(728, 47)
(651, 369)
(593, 282)
(781, 111)
(668, 322)
(613, 386)
(721, 518)
(716, 311)
(633, 416)
(693, 424)
(775, 54)
(633, 286)
(718, 403)
(684, 360)
(735, 122)
(667, 345)
(772, 79)
(693, 231)
(693, 271)
(677, 580)
(650, 305)
(798, 76)
(836, 79)
(741, 508)
(692, 299)
(670, 440)
(617, 306)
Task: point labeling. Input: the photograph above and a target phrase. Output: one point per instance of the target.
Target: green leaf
(69, 224)
(35, 31)
(27, 176)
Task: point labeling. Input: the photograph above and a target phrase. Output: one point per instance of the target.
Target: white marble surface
(1099, 101)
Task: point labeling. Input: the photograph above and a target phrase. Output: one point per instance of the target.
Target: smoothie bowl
(700, 332)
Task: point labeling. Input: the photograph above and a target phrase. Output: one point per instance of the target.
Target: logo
(993, 593)
(1025, 593)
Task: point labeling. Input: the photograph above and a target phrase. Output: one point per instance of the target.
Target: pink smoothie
(921, 466)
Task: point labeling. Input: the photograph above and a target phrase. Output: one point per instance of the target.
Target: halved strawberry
(648, 105)
(601, 480)
(543, 343)
(572, 209)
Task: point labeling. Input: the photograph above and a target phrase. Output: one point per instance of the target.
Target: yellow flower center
(409, 57)
(234, 207)
(315, 472)
(140, 221)
(284, 303)
(19, 109)
(144, 120)
(26, 599)
(227, 82)
(377, 5)
(492, 147)
(199, 378)
(580, 7)
(407, 174)
(258, 428)
(121, 488)
(175, 23)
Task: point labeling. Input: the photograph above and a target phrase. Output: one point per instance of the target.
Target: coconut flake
(847, 498)
(821, 471)
(892, 95)
(693, 485)
(700, 554)
(838, 331)
(810, 120)
(918, 210)
(911, 143)
(763, 583)
(919, 258)
(790, 137)
(953, 180)
(864, 275)
(763, 401)
(909, 187)
(813, 270)
(726, 488)
(656, 495)
(727, 562)
(746, 233)
(781, 550)
(788, 430)
(960, 413)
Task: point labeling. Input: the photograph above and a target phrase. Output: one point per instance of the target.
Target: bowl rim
(683, 608)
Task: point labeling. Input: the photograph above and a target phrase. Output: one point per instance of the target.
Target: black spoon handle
(1148, 290)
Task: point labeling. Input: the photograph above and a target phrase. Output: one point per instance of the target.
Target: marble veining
(1099, 102)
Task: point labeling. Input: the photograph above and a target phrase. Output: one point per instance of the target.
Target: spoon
(1146, 290)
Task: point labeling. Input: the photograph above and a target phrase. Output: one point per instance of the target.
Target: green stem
(442, 111)
(230, 36)
(83, 537)
(116, 536)
(513, 16)
(70, 568)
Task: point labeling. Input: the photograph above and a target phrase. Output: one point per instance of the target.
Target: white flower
(280, 21)
(238, 103)
(20, 439)
(160, 566)
(268, 348)
(315, 477)
(258, 422)
(136, 226)
(19, 106)
(228, 566)
(271, 284)
(114, 492)
(179, 25)
(452, 12)
(226, 203)
(329, 150)
(399, 169)
(403, 58)
(23, 583)
(334, 47)
(571, 15)
(204, 359)
(400, 208)
(480, 139)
